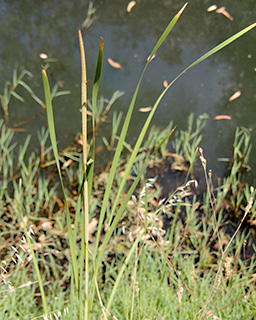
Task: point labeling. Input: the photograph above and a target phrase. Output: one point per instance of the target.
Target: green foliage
(110, 256)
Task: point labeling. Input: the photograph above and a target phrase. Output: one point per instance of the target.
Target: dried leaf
(80, 141)
(58, 201)
(87, 112)
(43, 56)
(60, 84)
(212, 8)
(235, 96)
(92, 225)
(151, 58)
(66, 164)
(42, 238)
(223, 11)
(114, 64)
(165, 83)
(98, 149)
(35, 247)
(220, 10)
(226, 14)
(46, 225)
(25, 219)
(147, 109)
(222, 117)
(18, 130)
(253, 223)
(130, 5)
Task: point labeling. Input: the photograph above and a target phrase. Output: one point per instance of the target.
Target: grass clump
(121, 250)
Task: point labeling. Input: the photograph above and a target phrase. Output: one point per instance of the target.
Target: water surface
(30, 28)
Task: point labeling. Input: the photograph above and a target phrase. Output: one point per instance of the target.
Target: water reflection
(29, 29)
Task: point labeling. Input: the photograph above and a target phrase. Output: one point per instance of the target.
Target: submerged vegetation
(113, 242)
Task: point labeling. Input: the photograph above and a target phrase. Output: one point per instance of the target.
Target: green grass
(191, 249)
(97, 241)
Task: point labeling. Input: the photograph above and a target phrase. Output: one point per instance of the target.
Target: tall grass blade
(51, 126)
(167, 31)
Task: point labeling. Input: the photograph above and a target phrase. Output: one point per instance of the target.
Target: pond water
(50, 26)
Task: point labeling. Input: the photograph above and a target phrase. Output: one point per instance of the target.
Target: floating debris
(222, 117)
(114, 64)
(212, 8)
(165, 83)
(43, 56)
(223, 11)
(235, 96)
(147, 109)
(130, 5)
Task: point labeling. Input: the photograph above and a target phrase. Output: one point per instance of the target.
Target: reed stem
(84, 132)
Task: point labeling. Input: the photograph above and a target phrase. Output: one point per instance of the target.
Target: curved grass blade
(213, 51)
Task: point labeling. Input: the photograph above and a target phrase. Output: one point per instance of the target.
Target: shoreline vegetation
(151, 234)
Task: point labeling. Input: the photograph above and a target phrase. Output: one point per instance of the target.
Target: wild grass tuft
(111, 246)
